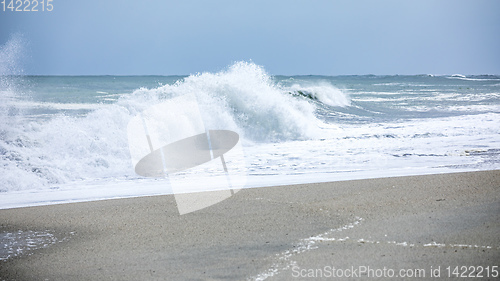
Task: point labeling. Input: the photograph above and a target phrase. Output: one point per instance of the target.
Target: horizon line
(296, 75)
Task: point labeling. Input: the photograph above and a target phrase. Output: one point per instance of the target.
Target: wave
(46, 153)
(246, 99)
(475, 77)
(323, 92)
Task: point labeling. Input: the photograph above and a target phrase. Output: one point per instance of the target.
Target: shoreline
(268, 232)
(78, 192)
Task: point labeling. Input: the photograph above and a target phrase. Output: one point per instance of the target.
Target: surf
(61, 147)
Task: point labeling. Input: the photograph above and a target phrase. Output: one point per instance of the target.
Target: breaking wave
(45, 153)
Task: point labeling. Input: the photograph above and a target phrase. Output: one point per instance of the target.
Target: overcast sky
(286, 37)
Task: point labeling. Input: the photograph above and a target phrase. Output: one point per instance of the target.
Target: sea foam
(39, 154)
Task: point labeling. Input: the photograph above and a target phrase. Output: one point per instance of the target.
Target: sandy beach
(404, 225)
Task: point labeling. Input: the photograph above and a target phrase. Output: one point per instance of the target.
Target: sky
(286, 37)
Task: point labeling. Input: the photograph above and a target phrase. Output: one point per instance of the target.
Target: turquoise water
(373, 97)
(65, 130)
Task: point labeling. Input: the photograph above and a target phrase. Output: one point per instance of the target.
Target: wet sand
(279, 233)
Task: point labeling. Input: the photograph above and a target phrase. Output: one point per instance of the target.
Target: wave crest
(243, 98)
(38, 154)
(322, 92)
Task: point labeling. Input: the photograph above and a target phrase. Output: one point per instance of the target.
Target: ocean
(64, 138)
